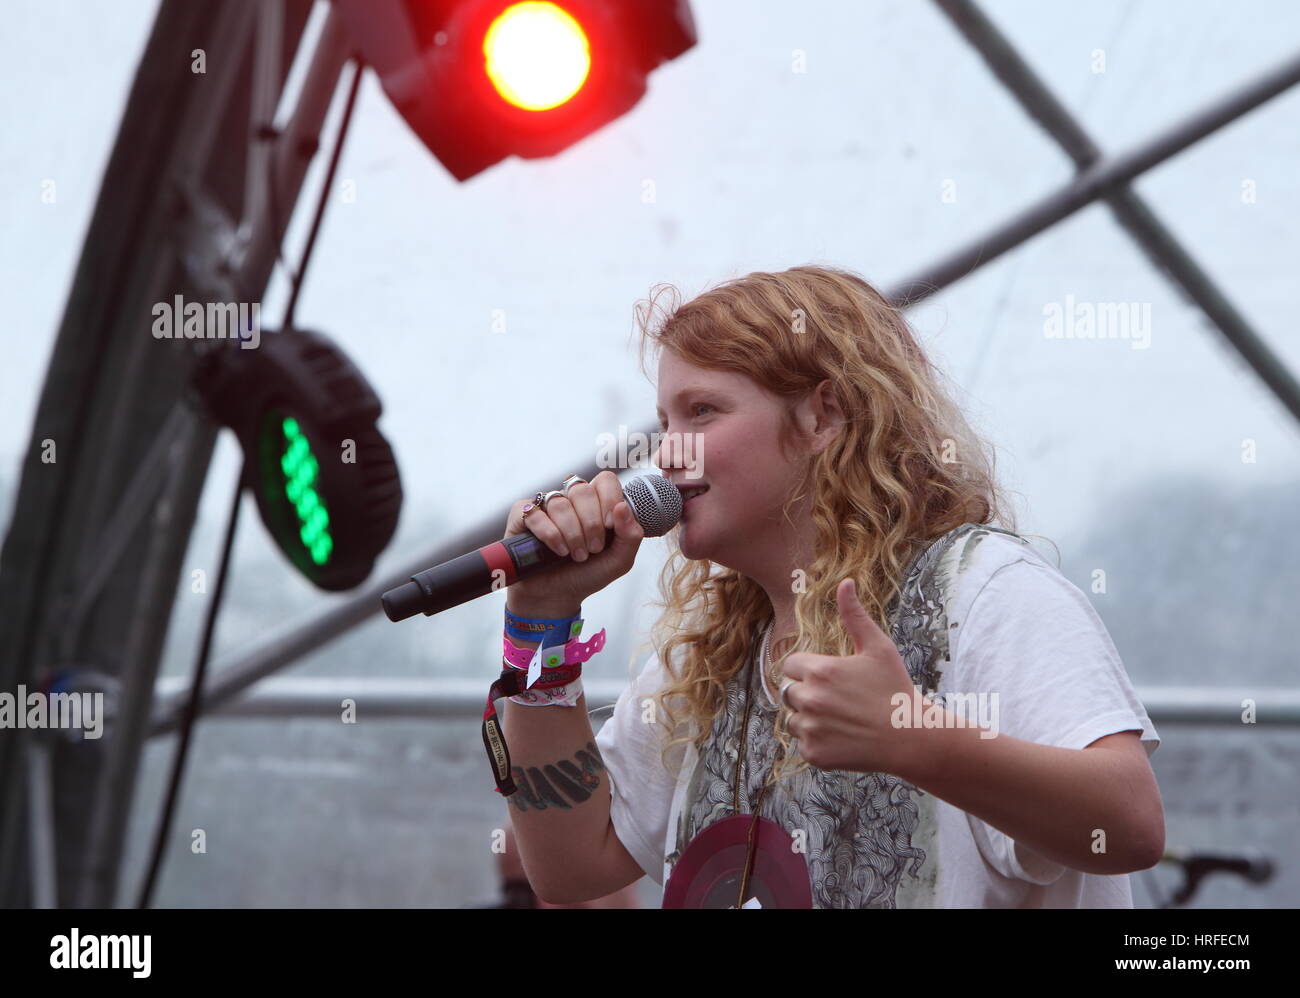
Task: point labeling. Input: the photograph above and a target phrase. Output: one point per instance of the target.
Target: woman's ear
(821, 417)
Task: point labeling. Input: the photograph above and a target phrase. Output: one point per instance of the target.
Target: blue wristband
(547, 631)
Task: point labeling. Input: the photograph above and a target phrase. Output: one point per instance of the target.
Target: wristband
(565, 695)
(511, 684)
(560, 686)
(549, 631)
(573, 652)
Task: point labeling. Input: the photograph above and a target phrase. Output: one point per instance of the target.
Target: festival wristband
(560, 685)
(565, 695)
(549, 631)
(571, 653)
(511, 683)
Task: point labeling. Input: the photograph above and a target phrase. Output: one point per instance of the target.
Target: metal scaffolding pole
(1132, 212)
(462, 699)
(1097, 181)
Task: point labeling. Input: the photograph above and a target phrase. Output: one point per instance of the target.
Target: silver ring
(571, 481)
(781, 695)
(542, 498)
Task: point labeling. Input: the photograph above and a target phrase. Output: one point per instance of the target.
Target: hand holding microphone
(591, 526)
(603, 519)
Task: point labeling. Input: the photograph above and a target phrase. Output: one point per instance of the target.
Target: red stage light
(536, 55)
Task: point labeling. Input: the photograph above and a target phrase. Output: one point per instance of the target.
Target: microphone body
(472, 575)
(654, 501)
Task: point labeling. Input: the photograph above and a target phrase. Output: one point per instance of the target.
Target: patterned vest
(867, 834)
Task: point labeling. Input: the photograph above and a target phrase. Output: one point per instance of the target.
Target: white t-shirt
(1015, 626)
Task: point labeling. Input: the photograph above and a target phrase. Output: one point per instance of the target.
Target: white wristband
(559, 696)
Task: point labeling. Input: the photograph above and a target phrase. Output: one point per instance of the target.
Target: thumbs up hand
(841, 705)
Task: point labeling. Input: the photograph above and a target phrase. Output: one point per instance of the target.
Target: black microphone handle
(477, 573)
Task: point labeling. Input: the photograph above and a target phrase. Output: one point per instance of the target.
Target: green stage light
(301, 473)
(324, 477)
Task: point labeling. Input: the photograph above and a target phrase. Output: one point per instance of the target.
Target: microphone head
(655, 502)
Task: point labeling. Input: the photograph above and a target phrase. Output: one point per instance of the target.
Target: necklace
(749, 699)
(758, 663)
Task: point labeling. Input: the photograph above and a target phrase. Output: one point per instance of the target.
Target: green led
(302, 472)
(320, 551)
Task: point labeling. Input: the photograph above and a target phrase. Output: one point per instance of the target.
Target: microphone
(653, 500)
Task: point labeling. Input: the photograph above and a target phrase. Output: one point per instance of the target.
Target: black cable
(192, 706)
(358, 66)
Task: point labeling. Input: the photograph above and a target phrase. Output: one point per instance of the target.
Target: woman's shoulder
(971, 549)
(983, 560)
(953, 568)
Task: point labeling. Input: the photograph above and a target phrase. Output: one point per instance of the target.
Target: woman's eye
(663, 426)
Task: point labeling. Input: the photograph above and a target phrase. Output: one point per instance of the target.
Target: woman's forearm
(1055, 801)
(560, 809)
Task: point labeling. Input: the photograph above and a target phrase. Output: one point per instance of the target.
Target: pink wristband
(575, 652)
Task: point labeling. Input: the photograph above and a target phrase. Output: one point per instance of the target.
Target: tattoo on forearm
(547, 786)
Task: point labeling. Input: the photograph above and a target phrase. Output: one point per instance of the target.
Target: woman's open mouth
(691, 493)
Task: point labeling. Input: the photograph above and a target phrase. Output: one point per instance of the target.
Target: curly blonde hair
(905, 468)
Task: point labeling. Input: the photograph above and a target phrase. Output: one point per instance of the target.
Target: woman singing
(854, 643)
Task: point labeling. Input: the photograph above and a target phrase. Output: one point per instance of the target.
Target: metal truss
(89, 568)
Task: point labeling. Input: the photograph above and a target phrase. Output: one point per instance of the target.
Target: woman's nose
(679, 451)
(667, 453)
